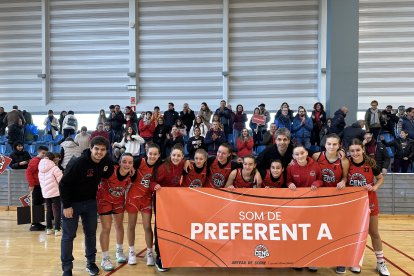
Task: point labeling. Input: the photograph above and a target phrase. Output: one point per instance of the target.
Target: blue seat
(260, 149)
(230, 138)
(3, 149)
(56, 149)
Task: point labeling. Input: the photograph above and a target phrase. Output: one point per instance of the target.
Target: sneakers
(37, 227)
(106, 264)
(340, 270)
(355, 269)
(132, 258)
(92, 269)
(49, 231)
(382, 269)
(158, 265)
(150, 258)
(312, 269)
(120, 256)
(58, 233)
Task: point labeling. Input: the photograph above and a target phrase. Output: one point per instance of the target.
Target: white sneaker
(120, 256)
(49, 231)
(150, 258)
(355, 269)
(382, 269)
(107, 264)
(58, 233)
(132, 258)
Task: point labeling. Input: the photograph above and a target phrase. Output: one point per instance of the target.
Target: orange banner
(203, 227)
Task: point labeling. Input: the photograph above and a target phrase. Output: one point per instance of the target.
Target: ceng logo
(261, 251)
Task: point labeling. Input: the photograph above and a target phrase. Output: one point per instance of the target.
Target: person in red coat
(99, 132)
(244, 143)
(32, 176)
(303, 171)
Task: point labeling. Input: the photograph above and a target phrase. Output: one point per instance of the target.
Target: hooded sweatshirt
(304, 176)
(49, 177)
(19, 156)
(69, 149)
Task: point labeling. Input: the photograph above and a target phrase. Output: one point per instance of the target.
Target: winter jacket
(402, 148)
(70, 122)
(338, 122)
(68, 149)
(389, 121)
(224, 115)
(272, 153)
(146, 130)
(49, 178)
(51, 126)
(170, 116)
(2, 124)
(102, 133)
(304, 176)
(380, 155)
(82, 177)
(244, 148)
(32, 172)
(317, 125)
(213, 145)
(133, 146)
(83, 141)
(302, 131)
(283, 122)
(206, 117)
(117, 122)
(279, 113)
(187, 119)
(203, 130)
(14, 117)
(131, 120)
(239, 121)
(160, 134)
(368, 124)
(351, 132)
(15, 134)
(408, 125)
(17, 157)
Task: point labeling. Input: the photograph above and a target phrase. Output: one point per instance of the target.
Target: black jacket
(187, 119)
(338, 122)
(381, 155)
(194, 144)
(402, 147)
(351, 132)
(271, 153)
(81, 178)
(170, 116)
(117, 121)
(17, 157)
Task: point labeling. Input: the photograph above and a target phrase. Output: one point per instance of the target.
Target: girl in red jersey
(139, 199)
(168, 174)
(247, 177)
(273, 178)
(334, 168)
(363, 171)
(111, 205)
(220, 167)
(196, 176)
(303, 171)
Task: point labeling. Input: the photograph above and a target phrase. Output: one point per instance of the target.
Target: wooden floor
(34, 253)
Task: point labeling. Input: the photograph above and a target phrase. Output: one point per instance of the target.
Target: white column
(226, 73)
(322, 52)
(45, 75)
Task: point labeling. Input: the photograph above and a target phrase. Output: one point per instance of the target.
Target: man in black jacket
(170, 116)
(351, 132)
(117, 120)
(78, 189)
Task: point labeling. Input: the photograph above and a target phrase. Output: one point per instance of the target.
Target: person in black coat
(187, 117)
(351, 132)
(20, 158)
(170, 116)
(194, 143)
(117, 120)
(404, 151)
(160, 135)
(338, 121)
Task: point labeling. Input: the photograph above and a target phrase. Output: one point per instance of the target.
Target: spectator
(19, 157)
(28, 120)
(214, 138)
(131, 143)
(318, 120)
(170, 116)
(102, 117)
(408, 122)
(2, 124)
(377, 151)
(195, 142)
(270, 135)
(205, 113)
(147, 128)
(284, 120)
(351, 132)
(14, 117)
(32, 177)
(69, 149)
(181, 128)
(324, 132)
(160, 136)
(289, 112)
(15, 133)
(117, 120)
(373, 119)
(131, 119)
(83, 138)
(404, 151)
(100, 131)
(111, 136)
(198, 122)
(70, 124)
(264, 113)
(389, 121)
(338, 121)
(173, 138)
(155, 115)
(239, 122)
(302, 128)
(231, 121)
(216, 118)
(401, 114)
(257, 130)
(224, 115)
(61, 118)
(51, 123)
(244, 144)
(187, 117)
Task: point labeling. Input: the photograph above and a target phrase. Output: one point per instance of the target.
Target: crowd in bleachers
(129, 132)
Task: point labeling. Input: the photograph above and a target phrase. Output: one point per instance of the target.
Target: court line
(393, 264)
(399, 251)
(122, 265)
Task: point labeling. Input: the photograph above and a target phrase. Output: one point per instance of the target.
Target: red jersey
(304, 176)
(113, 188)
(168, 177)
(218, 174)
(270, 181)
(240, 182)
(331, 172)
(141, 185)
(195, 178)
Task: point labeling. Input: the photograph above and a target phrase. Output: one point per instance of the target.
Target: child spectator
(20, 158)
(49, 177)
(404, 151)
(194, 143)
